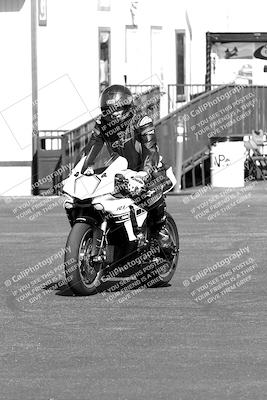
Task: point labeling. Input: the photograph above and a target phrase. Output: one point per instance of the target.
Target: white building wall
(229, 16)
(68, 66)
(15, 100)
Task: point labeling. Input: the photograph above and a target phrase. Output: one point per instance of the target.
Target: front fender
(87, 220)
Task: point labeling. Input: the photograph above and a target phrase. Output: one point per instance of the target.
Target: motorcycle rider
(131, 134)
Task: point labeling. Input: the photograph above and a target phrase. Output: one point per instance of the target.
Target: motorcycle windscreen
(106, 164)
(102, 160)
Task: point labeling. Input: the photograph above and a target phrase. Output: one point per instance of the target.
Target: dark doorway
(180, 63)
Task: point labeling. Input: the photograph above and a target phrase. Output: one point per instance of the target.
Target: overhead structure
(233, 46)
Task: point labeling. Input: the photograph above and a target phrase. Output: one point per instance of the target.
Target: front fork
(99, 237)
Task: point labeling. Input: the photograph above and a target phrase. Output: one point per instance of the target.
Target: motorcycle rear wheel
(83, 276)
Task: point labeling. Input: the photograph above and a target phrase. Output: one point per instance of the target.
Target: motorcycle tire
(165, 277)
(83, 277)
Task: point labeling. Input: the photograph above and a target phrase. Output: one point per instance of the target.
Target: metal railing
(180, 94)
(138, 89)
(46, 160)
(49, 139)
(229, 106)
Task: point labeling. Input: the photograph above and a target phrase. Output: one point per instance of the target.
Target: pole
(34, 93)
(179, 157)
(208, 61)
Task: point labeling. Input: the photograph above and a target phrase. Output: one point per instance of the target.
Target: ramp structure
(185, 136)
(229, 112)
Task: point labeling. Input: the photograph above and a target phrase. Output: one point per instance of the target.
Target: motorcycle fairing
(100, 186)
(140, 216)
(119, 210)
(83, 186)
(113, 205)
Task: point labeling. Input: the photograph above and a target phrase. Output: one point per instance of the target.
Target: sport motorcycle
(111, 237)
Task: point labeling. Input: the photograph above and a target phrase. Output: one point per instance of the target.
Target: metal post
(202, 165)
(169, 103)
(34, 94)
(208, 62)
(179, 156)
(194, 175)
(184, 181)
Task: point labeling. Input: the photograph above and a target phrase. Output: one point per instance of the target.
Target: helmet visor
(115, 112)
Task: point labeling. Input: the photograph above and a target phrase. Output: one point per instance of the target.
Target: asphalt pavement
(201, 338)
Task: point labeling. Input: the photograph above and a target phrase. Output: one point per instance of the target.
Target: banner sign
(240, 50)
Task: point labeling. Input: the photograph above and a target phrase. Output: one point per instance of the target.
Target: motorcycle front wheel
(166, 274)
(83, 275)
